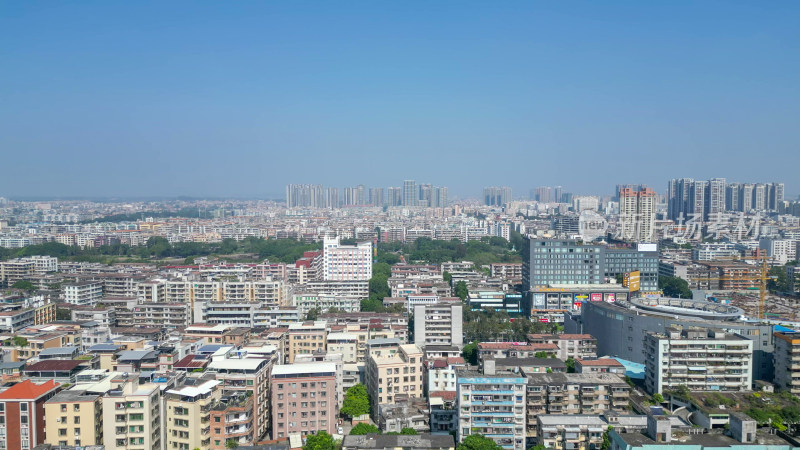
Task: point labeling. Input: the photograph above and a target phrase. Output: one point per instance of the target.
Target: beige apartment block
(74, 418)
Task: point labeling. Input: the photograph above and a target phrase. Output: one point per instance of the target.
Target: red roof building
(22, 413)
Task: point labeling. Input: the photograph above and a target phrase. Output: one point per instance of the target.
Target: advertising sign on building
(632, 280)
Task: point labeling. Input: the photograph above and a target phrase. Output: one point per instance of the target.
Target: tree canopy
(674, 287)
(364, 428)
(24, 284)
(319, 441)
(478, 442)
(356, 401)
(283, 250)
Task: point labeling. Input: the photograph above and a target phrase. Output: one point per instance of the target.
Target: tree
(320, 441)
(470, 353)
(478, 442)
(606, 439)
(24, 284)
(447, 276)
(674, 287)
(779, 280)
(356, 401)
(570, 362)
(231, 443)
(364, 428)
(313, 313)
(408, 430)
(658, 398)
(461, 290)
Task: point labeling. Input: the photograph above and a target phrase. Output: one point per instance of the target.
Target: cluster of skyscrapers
(547, 194)
(496, 196)
(698, 198)
(410, 194)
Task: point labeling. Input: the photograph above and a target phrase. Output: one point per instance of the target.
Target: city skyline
(240, 101)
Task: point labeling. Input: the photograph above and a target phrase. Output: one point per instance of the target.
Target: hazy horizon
(236, 100)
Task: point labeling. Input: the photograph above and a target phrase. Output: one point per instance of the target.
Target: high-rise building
(410, 193)
(376, 197)
(776, 193)
(760, 197)
(544, 194)
(438, 197)
(637, 214)
(304, 195)
(697, 200)
(346, 262)
(715, 195)
(395, 196)
(496, 196)
(558, 194)
(678, 194)
(732, 197)
(332, 198)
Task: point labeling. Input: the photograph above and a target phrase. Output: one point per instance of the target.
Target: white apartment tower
(346, 262)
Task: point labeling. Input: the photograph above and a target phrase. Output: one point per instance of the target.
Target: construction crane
(762, 279)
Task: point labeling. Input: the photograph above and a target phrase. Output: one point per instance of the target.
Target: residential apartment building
(83, 293)
(698, 358)
(240, 373)
(306, 301)
(575, 346)
(22, 414)
(161, 315)
(306, 338)
(303, 399)
(232, 420)
(787, 361)
(132, 415)
(637, 214)
(74, 418)
(346, 262)
(438, 324)
(492, 406)
(573, 393)
(188, 414)
(396, 370)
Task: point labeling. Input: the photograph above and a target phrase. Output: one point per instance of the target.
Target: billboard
(632, 280)
(538, 300)
(597, 297)
(611, 297)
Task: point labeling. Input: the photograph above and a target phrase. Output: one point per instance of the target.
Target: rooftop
(399, 441)
(28, 390)
(53, 365)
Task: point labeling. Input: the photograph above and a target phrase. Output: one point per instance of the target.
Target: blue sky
(240, 98)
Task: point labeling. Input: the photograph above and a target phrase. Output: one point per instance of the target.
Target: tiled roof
(53, 365)
(28, 390)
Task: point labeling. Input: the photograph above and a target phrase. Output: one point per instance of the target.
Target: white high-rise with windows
(346, 262)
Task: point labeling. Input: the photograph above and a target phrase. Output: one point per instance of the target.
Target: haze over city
(104, 99)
